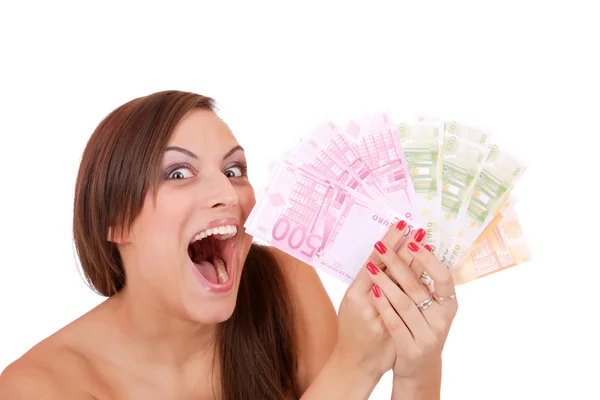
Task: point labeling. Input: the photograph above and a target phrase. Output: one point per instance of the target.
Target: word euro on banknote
(423, 146)
(491, 189)
(318, 220)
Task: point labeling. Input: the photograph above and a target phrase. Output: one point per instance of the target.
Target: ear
(116, 236)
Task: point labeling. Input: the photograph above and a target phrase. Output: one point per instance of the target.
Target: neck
(156, 336)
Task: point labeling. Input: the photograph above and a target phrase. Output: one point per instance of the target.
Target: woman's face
(187, 247)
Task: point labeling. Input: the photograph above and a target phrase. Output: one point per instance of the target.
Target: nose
(219, 192)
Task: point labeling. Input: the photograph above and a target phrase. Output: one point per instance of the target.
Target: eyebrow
(190, 154)
(182, 150)
(233, 150)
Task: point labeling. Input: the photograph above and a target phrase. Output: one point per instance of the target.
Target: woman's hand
(418, 321)
(380, 327)
(364, 350)
(363, 339)
(365, 346)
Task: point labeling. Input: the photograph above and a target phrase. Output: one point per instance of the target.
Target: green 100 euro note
(492, 188)
(423, 146)
(465, 151)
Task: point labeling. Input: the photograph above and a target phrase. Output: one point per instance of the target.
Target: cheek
(160, 226)
(246, 199)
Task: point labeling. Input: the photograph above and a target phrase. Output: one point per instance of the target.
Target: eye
(180, 173)
(233, 172)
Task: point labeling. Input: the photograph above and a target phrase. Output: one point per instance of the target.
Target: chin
(209, 302)
(211, 312)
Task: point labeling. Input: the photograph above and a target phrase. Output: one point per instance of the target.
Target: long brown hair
(120, 165)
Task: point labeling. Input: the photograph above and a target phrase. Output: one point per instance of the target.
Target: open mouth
(211, 251)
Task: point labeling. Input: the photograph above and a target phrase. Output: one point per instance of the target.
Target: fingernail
(376, 291)
(420, 235)
(380, 247)
(401, 225)
(412, 246)
(428, 247)
(372, 268)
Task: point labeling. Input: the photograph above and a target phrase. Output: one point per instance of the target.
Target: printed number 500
(296, 237)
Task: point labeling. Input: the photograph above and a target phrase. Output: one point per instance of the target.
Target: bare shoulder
(25, 379)
(49, 371)
(316, 319)
(307, 289)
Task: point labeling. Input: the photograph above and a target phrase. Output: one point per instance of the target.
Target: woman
(194, 309)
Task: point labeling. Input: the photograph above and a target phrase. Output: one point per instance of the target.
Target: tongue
(207, 270)
(203, 253)
(214, 273)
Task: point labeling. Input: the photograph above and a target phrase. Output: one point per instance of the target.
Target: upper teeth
(224, 232)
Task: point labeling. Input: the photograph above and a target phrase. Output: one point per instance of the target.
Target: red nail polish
(428, 247)
(401, 225)
(380, 247)
(412, 246)
(372, 268)
(420, 235)
(376, 291)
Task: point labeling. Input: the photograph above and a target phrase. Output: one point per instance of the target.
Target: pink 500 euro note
(316, 158)
(318, 221)
(375, 140)
(339, 147)
(336, 146)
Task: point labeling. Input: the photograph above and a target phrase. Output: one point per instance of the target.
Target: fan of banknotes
(333, 194)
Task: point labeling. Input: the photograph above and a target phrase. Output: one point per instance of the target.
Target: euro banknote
(500, 246)
(318, 221)
(490, 191)
(423, 146)
(337, 190)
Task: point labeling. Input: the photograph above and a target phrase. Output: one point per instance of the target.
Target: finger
(420, 271)
(408, 281)
(390, 240)
(400, 248)
(439, 273)
(394, 324)
(419, 236)
(401, 302)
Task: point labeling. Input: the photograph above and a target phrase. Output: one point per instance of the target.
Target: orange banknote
(500, 246)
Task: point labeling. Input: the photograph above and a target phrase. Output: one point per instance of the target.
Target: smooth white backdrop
(526, 71)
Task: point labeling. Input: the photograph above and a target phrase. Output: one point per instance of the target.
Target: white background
(526, 71)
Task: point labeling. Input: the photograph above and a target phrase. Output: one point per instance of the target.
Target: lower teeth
(222, 275)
